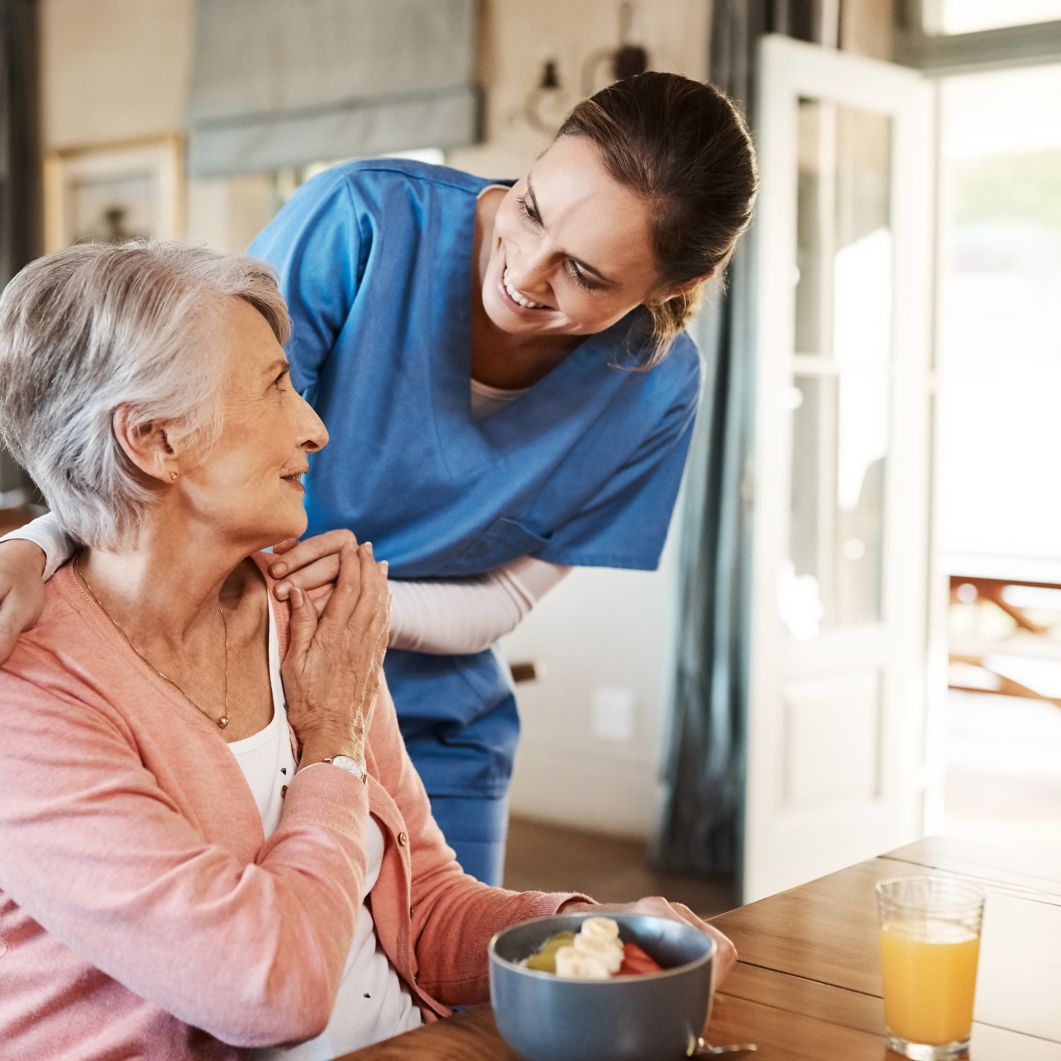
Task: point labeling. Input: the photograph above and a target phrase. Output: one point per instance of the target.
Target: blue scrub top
(375, 261)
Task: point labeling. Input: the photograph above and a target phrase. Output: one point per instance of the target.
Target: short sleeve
(315, 245)
(625, 523)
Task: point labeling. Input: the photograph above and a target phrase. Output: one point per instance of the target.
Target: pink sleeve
(453, 915)
(103, 859)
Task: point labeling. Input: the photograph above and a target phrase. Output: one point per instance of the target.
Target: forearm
(458, 616)
(453, 915)
(109, 861)
(47, 535)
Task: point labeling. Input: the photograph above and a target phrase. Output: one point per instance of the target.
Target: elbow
(292, 1010)
(281, 1026)
(303, 1019)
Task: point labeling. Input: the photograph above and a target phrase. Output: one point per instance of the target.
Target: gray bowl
(656, 1017)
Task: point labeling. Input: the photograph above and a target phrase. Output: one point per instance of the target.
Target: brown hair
(685, 148)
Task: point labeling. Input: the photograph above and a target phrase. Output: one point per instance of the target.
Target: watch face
(351, 766)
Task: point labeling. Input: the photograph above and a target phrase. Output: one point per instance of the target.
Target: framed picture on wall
(113, 192)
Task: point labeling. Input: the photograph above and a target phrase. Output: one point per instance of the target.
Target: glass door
(837, 755)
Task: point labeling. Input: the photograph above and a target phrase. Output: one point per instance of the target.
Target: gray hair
(99, 326)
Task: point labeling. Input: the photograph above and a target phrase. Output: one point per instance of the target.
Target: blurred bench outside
(1005, 627)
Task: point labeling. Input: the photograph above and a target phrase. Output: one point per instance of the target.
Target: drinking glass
(929, 944)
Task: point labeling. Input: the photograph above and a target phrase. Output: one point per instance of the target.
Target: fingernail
(296, 596)
(368, 546)
(278, 570)
(283, 589)
(384, 566)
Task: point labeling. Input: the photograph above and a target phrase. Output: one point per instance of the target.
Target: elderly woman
(203, 849)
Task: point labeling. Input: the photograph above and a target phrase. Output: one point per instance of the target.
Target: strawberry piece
(636, 962)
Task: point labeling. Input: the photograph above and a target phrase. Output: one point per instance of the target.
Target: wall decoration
(114, 192)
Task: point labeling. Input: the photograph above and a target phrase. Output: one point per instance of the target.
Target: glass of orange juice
(929, 946)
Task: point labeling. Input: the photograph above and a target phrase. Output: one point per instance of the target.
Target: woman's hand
(21, 590)
(726, 957)
(333, 665)
(312, 565)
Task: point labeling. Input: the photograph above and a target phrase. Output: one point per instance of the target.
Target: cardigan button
(403, 839)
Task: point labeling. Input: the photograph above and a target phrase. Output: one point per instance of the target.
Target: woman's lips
(517, 307)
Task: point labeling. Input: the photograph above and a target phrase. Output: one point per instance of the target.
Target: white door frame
(785, 844)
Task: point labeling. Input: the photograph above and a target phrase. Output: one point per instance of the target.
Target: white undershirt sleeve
(46, 533)
(454, 616)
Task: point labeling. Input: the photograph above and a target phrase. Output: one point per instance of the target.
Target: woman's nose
(530, 274)
(314, 433)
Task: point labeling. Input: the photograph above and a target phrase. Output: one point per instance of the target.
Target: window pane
(968, 16)
(843, 237)
(839, 457)
(1000, 315)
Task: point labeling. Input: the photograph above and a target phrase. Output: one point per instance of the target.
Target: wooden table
(808, 986)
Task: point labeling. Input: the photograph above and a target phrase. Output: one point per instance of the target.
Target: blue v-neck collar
(579, 386)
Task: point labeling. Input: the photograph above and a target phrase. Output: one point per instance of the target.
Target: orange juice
(929, 972)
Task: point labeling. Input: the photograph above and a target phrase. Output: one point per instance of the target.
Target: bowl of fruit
(586, 987)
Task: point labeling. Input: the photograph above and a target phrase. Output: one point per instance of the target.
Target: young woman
(512, 355)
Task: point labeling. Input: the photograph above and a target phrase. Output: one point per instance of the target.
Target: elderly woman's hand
(310, 564)
(334, 663)
(660, 907)
(21, 591)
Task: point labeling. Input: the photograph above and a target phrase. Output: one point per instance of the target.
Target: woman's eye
(527, 210)
(581, 278)
(279, 381)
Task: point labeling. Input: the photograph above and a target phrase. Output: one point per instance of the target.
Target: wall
(113, 69)
(515, 37)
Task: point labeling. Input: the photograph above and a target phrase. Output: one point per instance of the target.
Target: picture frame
(113, 192)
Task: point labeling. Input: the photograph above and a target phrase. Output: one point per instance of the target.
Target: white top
(372, 1003)
(487, 400)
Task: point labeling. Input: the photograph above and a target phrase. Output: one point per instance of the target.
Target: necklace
(222, 722)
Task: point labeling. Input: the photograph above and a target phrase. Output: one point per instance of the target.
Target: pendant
(222, 722)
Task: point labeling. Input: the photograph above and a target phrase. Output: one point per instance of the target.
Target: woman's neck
(168, 585)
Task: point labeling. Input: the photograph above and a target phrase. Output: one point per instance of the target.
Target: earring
(174, 476)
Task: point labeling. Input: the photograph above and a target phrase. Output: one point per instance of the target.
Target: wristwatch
(351, 766)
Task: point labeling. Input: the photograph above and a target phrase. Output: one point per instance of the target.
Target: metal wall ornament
(549, 101)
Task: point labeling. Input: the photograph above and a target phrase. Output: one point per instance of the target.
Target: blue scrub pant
(476, 830)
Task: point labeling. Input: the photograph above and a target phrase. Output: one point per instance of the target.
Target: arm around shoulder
(28, 556)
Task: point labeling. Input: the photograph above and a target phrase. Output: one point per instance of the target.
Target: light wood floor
(1003, 770)
(549, 858)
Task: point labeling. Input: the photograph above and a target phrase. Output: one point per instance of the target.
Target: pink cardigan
(142, 912)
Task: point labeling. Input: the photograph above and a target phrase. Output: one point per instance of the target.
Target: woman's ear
(665, 294)
(146, 445)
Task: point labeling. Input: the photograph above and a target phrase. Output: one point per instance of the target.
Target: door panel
(836, 757)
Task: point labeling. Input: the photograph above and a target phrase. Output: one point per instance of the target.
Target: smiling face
(248, 485)
(571, 248)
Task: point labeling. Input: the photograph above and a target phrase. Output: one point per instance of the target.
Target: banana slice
(607, 951)
(576, 964)
(599, 928)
